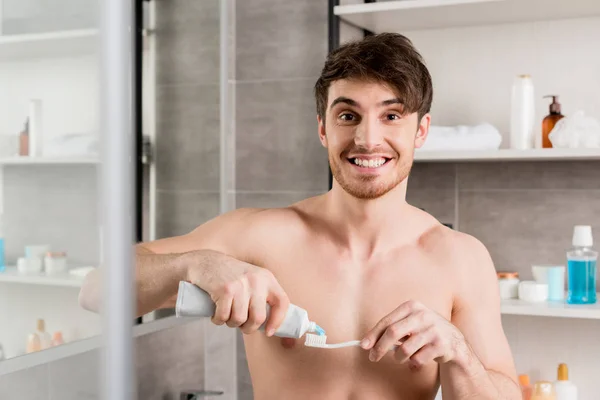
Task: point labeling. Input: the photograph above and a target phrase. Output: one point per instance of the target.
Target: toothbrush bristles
(315, 340)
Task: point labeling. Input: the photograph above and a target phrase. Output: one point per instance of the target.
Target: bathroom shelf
(11, 275)
(558, 310)
(48, 160)
(51, 44)
(508, 155)
(407, 15)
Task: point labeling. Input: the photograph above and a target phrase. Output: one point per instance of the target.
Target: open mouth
(369, 163)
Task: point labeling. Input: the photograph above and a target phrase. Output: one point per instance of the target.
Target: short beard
(365, 189)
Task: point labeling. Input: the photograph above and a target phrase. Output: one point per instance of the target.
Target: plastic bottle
(45, 338)
(195, 302)
(57, 339)
(526, 389)
(565, 389)
(2, 247)
(543, 390)
(550, 120)
(33, 343)
(581, 261)
(522, 115)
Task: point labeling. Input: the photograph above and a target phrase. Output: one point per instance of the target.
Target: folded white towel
(479, 137)
(72, 145)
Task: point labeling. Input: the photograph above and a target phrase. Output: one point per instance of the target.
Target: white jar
(533, 292)
(55, 263)
(509, 285)
(29, 265)
(522, 114)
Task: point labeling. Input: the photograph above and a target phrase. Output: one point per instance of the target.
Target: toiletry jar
(508, 283)
(29, 265)
(533, 292)
(55, 263)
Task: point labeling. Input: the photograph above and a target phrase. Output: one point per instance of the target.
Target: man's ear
(322, 136)
(422, 131)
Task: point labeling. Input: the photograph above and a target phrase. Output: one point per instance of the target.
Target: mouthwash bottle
(581, 261)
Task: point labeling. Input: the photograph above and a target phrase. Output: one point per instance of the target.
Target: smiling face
(369, 138)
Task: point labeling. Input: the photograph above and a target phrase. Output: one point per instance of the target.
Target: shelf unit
(507, 155)
(407, 15)
(49, 45)
(49, 161)
(548, 309)
(11, 275)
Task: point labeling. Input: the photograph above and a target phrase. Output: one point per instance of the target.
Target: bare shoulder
(463, 256)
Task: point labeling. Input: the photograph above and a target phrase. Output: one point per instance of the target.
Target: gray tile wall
(163, 370)
(280, 49)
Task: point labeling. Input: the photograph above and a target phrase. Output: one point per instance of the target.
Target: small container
(526, 388)
(57, 339)
(33, 343)
(556, 283)
(55, 263)
(565, 389)
(508, 283)
(533, 292)
(32, 265)
(24, 140)
(543, 390)
(550, 120)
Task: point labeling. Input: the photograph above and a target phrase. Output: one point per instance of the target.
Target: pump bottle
(550, 120)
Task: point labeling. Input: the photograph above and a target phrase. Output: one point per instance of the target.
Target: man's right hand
(241, 291)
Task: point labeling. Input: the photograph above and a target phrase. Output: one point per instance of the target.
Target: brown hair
(388, 58)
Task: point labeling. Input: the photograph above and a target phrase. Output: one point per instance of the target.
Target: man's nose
(369, 134)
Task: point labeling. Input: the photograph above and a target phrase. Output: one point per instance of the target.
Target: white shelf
(48, 160)
(11, 275)
(52, 44)
(547, 309)
(406, 15)
(508, 155)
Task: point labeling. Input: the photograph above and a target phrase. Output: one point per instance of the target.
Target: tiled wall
(280, 47)
(163, 370)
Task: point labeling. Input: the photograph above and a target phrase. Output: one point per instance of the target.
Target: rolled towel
(462, 137)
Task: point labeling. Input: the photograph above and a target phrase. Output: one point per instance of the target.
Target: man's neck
(366, 226)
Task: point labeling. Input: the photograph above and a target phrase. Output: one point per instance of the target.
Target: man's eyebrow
(354, 103)
(346, 100)
(390, 102)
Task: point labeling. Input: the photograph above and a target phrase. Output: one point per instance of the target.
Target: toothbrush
(320, 341)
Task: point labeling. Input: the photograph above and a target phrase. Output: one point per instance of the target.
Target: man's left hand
(420, 334)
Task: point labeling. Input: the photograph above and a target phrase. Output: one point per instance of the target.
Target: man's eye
(347, 117)
(392, 117)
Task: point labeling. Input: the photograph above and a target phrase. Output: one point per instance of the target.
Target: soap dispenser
(550, 120)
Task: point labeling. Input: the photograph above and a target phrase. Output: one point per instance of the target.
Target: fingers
(257, 314)
(394, 333)
(398, 314)
(223, 309)
(425, 355)
(413, 345)
(239, 310)
(279, 302)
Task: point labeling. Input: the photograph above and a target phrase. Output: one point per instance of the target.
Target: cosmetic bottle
(550, 120)
(45, 338)
(543, 390)
(24, 140)
(525, 385)
(522, 113)
(581, 269)
(565, 389)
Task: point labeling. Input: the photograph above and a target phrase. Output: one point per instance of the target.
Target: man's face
(369, 140)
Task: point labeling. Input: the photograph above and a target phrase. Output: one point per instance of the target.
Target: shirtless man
(363, 263)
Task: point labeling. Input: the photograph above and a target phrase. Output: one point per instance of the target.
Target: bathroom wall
(163, 370)
(280, 47)
(188, 154)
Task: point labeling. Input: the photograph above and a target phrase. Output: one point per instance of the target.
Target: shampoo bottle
(550, 120)
(195, 302)
(565, 389)
(522, 113)
(45, 338)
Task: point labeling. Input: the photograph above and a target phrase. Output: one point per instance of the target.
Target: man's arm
(483, 366)
(214, 257)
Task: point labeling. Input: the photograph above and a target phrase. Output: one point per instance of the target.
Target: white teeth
(369, 163)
